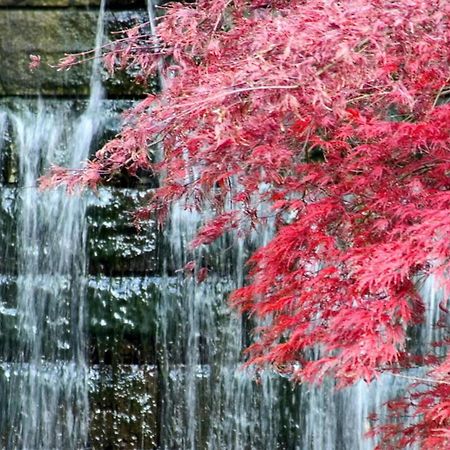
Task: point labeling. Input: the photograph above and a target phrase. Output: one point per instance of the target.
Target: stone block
(49, 34)
(67, 3)
(122, 319)
(115, 245)
(35, 3)
(111, 3)
(123, 405)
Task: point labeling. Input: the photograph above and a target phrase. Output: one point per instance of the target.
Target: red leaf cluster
(335, 115)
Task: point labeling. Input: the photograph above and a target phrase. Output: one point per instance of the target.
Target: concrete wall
(121, 327)
(51, 28)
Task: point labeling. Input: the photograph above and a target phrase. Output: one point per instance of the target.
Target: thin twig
(414, 378)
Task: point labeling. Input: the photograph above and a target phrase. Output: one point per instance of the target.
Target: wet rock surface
(124, 404)
(123, 271)
(115, 244)
(123, 320)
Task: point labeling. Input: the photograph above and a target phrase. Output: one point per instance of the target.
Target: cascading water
(45, 379)
(333, 419)
(151, 10)
(208, 402)
(205, 397)
(193, 393)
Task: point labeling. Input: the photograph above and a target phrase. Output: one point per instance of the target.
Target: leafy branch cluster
(334, 116)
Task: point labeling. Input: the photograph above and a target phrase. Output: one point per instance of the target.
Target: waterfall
(176, 382)
(207, 401)
(151, 10)
(45, 405)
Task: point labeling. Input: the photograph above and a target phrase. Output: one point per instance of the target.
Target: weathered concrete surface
(51, 33)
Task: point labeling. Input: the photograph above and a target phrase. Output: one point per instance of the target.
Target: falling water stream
(46, 401)
(210, 402)
(202, 398)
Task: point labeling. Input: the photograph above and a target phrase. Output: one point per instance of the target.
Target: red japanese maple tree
(334, 116)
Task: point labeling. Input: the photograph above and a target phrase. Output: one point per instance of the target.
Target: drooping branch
(332, 115)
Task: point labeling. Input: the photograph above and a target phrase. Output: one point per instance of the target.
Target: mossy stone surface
(51, 33)
(68, 3)
(35, 3)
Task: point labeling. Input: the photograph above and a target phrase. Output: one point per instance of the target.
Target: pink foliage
(339, 109)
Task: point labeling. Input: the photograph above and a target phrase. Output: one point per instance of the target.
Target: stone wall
(51, 28)
(121, 326)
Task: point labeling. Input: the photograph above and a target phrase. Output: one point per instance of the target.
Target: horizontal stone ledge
(64, 95)
(115, 246)
(35, 3)
(59, 31)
